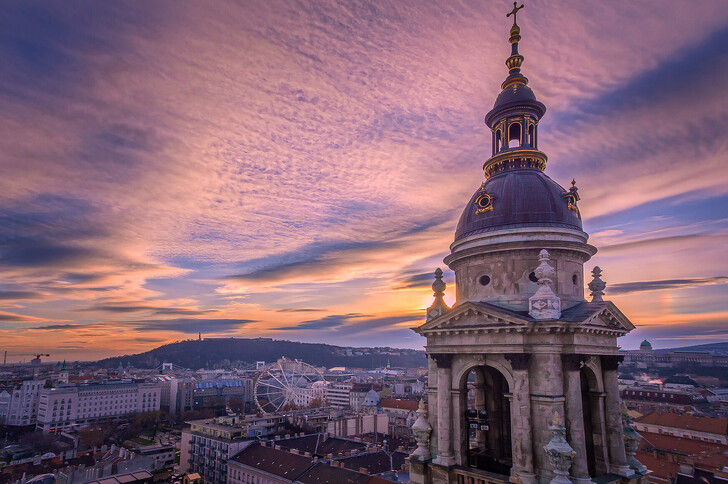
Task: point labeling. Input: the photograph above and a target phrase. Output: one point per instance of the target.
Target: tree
(236, 404)
(91, 437)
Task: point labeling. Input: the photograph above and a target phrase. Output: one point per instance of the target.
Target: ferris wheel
(288, 384)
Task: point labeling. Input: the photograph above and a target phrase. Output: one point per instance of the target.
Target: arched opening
(514, 135)
(594, 422)
(487, 425)
(498, 141)
(531, 134)
(588, 424)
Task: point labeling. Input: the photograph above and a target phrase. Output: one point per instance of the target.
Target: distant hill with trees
(713, 348)
(214, 353)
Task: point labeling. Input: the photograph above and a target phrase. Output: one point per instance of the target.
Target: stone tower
(522, 346)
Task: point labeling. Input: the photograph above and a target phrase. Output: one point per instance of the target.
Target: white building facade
(19, 405)
(78, 405)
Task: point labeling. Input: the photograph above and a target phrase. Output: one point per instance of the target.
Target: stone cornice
(581, 249)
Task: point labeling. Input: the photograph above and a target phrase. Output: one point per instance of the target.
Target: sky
(296, 169)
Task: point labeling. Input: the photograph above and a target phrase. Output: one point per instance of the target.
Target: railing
(469, 475)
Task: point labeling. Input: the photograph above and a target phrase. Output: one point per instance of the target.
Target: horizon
(312, 343)
(298, 170)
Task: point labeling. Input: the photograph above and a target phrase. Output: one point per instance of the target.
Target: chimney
(307, 454)
(400, 448)
(278, 437)
(364, 470)
(315, 459)
(329, 456)
(294, 451)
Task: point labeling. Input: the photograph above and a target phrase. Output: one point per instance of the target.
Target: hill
(224, 352)
(713, 348)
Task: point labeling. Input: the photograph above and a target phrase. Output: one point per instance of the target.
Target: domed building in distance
(523, 369)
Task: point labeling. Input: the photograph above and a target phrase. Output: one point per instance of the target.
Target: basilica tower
(522, 358)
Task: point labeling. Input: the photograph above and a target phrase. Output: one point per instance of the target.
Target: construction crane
(34, 361)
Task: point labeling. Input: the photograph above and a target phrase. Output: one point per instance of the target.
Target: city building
(216, 393)
(176, 394)
(707, 429)
(338, 394)
(208, 444)
(19, 403)
(401, 414)
(647, 398)
(677, 460)
(260, 463)
(543, 399)
(364, 391)
(78, 405)
(646, 357)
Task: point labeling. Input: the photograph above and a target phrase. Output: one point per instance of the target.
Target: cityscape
(343, 243)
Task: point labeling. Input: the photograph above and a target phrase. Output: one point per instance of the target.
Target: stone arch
(488, 445)
(596, 371)
(462, 364)
(592, 391)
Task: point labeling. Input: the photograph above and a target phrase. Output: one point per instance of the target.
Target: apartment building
(19, 403)
(67, 406)
(208, 444)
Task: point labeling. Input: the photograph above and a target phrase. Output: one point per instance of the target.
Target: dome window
(575, 279)
(484, 203)
(532, 277)
(484, 280)
(514, 135)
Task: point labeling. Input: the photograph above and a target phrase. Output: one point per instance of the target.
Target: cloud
(300, 310)
(190, 325)
(6, 317)
(20, 295)
(641, 286)
(351, 323)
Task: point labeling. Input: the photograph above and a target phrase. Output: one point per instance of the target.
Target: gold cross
(514, 11)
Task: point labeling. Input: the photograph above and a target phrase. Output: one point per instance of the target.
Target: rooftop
(687, 422)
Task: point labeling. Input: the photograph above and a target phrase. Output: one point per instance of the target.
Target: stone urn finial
(422, 429)
(544, 304)
(596, 286)
(438, 288)
(559, 452)
(631, 442)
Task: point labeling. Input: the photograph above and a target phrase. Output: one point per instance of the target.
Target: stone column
(547, 396)
(575, 417)
(432, 403)
(445, 455)
(458, 399)
(521, 432)
(613, 417)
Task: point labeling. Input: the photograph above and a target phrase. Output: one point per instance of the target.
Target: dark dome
(514, 93)
(515, 96)
(520, 198)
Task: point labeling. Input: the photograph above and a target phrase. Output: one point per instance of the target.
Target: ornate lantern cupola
(518, 210)
(514, 117)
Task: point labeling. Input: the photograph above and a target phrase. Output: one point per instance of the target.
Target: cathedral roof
(518, 198)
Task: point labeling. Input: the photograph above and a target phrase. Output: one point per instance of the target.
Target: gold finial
(573, 182)
(514, 12)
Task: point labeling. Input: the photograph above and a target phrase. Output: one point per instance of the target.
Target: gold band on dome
(512, 160)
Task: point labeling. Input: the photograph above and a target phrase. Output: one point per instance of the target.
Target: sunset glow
(296, 170)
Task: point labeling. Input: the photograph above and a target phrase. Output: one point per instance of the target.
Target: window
(514, 135)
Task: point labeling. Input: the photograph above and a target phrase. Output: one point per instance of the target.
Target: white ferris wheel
(288, 384)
